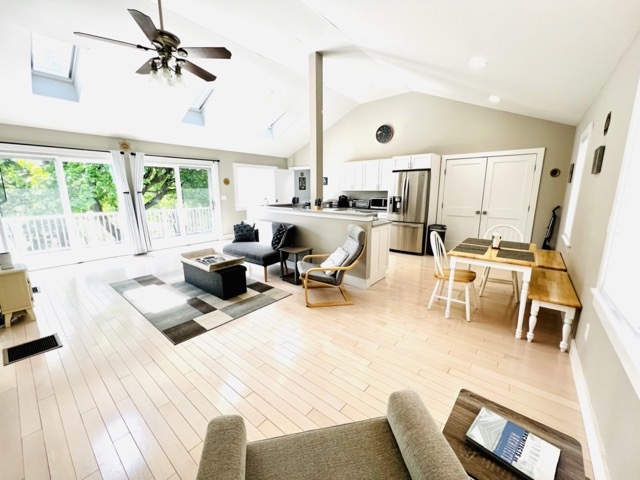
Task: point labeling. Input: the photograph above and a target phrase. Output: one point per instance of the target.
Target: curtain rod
(53, 146)
(104, 151)
(184, 158)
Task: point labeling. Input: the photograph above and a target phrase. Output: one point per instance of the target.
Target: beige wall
(614, 403)
(425, 124)
(35, 136)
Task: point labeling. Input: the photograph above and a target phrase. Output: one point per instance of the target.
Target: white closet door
(463, 186)
(507, 192)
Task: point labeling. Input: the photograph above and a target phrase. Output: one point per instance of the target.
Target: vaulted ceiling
(545, 59)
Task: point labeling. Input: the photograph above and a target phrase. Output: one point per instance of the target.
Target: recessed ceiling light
(494, 99)
(477, 62)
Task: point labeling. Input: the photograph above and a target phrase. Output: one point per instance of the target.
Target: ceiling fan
(170, 57)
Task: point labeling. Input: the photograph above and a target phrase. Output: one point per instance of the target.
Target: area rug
(182, 311)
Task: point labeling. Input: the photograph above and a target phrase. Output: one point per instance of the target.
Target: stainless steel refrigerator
(407, 208)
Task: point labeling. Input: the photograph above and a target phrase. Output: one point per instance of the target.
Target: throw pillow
(277, 237)
(243, 232)
(335, 260)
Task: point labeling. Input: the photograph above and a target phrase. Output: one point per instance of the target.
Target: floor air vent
(29, 349)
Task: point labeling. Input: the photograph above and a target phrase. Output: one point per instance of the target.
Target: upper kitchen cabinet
(367, 175)
(412, 162)
(351, 176)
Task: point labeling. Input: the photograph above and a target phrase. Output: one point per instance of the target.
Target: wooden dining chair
(508, 233)
(442, 272)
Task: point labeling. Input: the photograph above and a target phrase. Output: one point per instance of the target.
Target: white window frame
(614, 295)
(576, 181)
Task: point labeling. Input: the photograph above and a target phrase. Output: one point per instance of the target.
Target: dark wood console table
(480, 466)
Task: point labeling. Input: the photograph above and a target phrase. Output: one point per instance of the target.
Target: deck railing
(51, 233)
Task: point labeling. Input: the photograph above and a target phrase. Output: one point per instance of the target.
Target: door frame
(537, 176)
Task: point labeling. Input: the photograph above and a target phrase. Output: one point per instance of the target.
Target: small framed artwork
(325, 180)
(571, 172)
(302, 183)
(598, 157)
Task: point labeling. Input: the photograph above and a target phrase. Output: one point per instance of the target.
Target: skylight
(200, 101)
(195, 114)
(52, 57)
(283, 122)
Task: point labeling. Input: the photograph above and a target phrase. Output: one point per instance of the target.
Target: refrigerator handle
(405, 197)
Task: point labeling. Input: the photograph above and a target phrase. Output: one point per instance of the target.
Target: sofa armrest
(425, 451)
(225, 450)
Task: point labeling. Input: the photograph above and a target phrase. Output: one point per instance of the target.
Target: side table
(480, 466)
(285, 274)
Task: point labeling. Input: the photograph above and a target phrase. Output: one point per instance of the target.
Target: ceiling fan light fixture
(179, 78)
(153, 74)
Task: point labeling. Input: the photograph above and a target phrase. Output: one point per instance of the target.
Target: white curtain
(122, 183)
(136, 161)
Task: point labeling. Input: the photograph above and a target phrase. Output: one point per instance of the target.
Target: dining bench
(550, 259)
(554, 290)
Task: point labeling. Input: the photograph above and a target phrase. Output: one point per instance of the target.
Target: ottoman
(215, 273)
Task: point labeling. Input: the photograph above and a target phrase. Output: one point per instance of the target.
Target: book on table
(522, 451)
(211, 259)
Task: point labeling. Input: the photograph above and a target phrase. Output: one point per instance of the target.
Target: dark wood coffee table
(480, 466)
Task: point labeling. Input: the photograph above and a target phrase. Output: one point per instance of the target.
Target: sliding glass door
(60, 209)
(179, 202)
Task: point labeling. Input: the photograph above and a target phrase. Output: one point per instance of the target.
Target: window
(614, 295)
(52, 57)
(283, 122)
(195, 114)
(254, 185)
(53, 64)
(576, 180)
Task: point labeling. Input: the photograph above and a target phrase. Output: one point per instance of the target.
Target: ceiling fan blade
(196, 70)
(145, 69)
(146, 24)
(111, 40)
(208, 52)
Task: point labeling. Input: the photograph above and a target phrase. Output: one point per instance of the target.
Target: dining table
(512, 256)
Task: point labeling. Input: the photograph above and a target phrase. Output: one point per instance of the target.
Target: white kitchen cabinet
(15, 293)
(386, 173)
(379, 246)
(412, 162)
(367, 175)
(351, 176)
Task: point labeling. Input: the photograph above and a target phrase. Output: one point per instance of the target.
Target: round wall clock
(384, 133)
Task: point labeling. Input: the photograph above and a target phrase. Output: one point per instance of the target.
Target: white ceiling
(545, 59)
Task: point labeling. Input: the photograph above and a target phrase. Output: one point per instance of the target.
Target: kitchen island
(325, 230)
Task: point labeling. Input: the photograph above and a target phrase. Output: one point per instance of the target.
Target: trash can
(436, 227)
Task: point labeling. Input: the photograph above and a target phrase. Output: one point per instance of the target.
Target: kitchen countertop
(338, 213)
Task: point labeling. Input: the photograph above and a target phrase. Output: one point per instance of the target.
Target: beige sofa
(406, 444)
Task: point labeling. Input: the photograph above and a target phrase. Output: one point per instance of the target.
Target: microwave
(378, 203)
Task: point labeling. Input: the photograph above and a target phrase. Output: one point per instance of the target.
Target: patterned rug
(182, 311)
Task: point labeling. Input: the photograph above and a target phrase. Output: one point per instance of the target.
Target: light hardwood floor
(120, 401)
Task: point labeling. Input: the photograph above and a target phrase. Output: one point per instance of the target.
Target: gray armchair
(316, 275)
(406, 444)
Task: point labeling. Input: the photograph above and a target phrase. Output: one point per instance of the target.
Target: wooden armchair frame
(310, 283)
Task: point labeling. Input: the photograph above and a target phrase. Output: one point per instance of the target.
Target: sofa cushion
(243, 232)
(277, 236)
(365, 449)
(253, 252)
(336, 259)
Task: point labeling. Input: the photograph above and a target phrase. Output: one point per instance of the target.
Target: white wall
(424, 124)
(615, 405)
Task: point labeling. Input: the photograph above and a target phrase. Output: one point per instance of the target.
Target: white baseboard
(600, 470)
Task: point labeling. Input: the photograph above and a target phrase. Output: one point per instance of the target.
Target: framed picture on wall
(302, 183)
